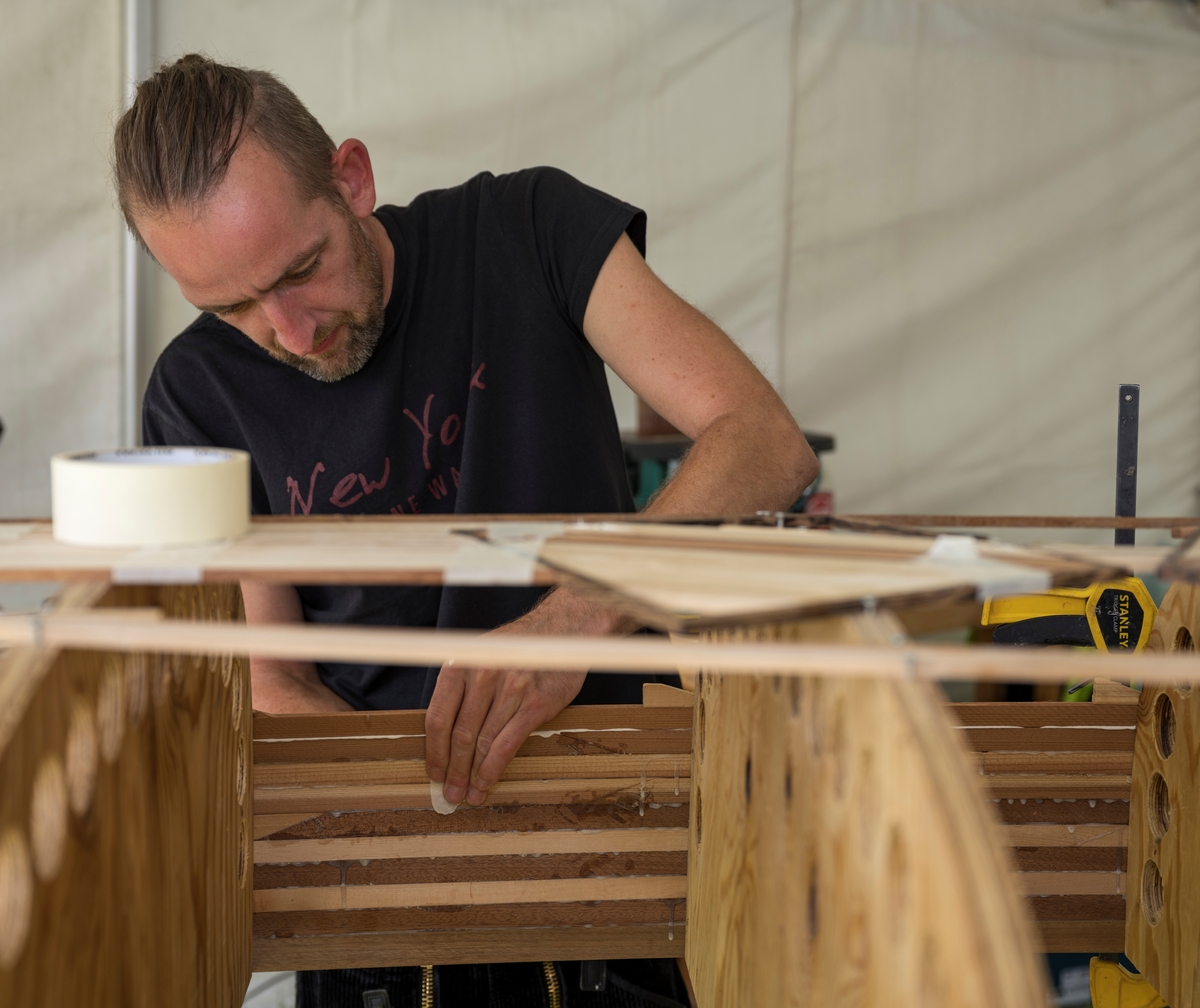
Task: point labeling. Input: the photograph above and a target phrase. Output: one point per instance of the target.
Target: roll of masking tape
(150, 496)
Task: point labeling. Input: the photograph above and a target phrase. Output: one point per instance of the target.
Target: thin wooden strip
(1020, 521)
(413, 948)
(669, 740)
(1048, 739)
(469, 844)
(1070, 883)
(605, 914)
(482, 868)
(467, 893)
(522, 768)
(1055, 835)
(416, 796)
(1056, 786)
(366, 723)
(1081, 936)
(1115, 763)
(1040, 715)
(389, 645)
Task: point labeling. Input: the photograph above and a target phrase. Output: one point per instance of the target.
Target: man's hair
(173, 146)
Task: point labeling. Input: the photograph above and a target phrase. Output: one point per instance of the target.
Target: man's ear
(352, 174)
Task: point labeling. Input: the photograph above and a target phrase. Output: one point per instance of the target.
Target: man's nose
(293, 329)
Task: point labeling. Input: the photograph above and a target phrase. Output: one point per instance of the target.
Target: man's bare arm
(748, 455)
(278, 686)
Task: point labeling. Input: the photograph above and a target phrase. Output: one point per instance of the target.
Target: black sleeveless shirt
(482, 396)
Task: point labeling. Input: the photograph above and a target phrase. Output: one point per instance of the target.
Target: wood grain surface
(127, 779)
(1162, 935)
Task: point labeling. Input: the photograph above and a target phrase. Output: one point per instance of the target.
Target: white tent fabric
(946, 230)
(60, 240)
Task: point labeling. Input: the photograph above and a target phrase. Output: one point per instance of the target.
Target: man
(447, 356)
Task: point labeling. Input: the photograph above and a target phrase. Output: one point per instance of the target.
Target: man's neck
(387, 255)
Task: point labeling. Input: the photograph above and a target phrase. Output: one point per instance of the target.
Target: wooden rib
(1076, 908)
(1048, 739)
(1070, 883)
(1056, 835)
(1056, 786)
(468, 844)
(406, 796)
(412, 948)
(1070, 762)
(469, 893)
(590, 718)
(321, 750)
(522, 768)
(1042, 859)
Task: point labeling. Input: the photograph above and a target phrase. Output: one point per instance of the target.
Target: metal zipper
(426, 987)
(552, 986)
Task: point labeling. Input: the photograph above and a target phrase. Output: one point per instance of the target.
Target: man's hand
(478, 718)
(278, 686)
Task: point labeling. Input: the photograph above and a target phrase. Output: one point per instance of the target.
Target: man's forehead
(239, 239)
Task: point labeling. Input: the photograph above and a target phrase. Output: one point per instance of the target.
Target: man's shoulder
(206, 338)
(516, 186)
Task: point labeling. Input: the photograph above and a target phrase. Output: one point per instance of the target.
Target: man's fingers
(439, 720)
(504, 747)
(478, 693)
(505, 705)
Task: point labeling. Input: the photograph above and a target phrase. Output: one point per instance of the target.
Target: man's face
(299, 278)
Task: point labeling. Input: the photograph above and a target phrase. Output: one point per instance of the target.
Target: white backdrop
(946, 230)
(60, 239)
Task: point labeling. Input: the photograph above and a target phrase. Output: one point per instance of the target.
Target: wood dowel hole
(1152, 893)
(48, 818)
(81, 759)
(1184, 644)
(242, 770)
(1159, 799)
(1164, 725)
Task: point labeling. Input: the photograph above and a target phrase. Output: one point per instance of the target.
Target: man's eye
(233, 310)
(305, 273)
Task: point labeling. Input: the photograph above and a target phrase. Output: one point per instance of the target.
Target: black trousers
(629, 983)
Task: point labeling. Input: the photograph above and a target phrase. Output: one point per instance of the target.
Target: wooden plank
(1070, 811)
(1071, 762)
(1081, 936)
(601, 916)
(1048, 739)
(1090, 786)
(412, 948)
(1021, 521)
(1041, 715)
(365, 897)
(468, 844)
(478, 868)
(1076, 908)
(561, 743)
(1056, 835)
(1070, 859)
(522, 768)
(483, 819)
(626, 790)
(1070, 883)
(587, 719)
(662, 695)
(836, 815)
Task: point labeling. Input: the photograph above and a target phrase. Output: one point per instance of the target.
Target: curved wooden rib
(841, 851)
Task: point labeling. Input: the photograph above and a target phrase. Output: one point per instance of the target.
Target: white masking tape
(150, 496)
